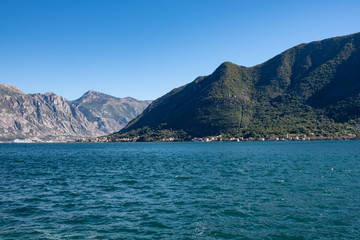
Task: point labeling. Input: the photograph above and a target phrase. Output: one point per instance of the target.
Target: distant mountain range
(312, 89)
(49, 117)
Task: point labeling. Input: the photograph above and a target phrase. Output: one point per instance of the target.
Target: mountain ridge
(8, 89)
(302, 90)
(50, 117)
(111, 113)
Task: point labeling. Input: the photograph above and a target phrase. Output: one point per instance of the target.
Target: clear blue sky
(143, 49)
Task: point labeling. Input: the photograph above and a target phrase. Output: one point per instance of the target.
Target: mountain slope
(312, 88)
(41, 116)
(111, 113)
(51, 117)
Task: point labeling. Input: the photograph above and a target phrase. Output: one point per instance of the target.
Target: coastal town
(218, 138)
(221, 138)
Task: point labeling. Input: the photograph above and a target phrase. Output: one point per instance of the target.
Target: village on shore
(220, 138)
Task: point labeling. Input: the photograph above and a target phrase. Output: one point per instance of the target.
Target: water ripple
(259, 190)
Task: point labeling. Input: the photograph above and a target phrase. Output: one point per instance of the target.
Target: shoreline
(192, 141)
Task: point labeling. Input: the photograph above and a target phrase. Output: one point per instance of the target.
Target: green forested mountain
(311, 89)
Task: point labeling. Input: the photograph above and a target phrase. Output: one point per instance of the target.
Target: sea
(217, 190)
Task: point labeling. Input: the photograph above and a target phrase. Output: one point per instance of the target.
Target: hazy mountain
(51, 117)
(111, 113)
(312, 88)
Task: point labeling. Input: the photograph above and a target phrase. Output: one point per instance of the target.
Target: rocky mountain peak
(51, 117)
(7, 89)
(92, 95)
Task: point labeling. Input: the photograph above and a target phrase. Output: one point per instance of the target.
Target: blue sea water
(223, 190)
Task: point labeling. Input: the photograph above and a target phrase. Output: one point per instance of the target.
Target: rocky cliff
(110, 113)
(52, 117)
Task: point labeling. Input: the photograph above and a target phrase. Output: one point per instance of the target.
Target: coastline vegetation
(310, 91)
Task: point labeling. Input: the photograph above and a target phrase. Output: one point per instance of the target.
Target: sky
(144, 49)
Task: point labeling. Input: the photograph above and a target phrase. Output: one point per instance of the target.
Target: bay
(220, 190)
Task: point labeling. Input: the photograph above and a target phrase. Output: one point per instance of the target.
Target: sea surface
(222, 190)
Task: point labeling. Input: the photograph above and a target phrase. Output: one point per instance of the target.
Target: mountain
(110, 113)
(6, 89)
(51, 117)
(311, 89)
